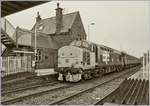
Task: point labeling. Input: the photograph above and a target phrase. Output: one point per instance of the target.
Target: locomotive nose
(69, 56)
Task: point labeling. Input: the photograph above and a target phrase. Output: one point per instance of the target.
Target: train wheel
(90, 75)
(60, 77)
(96, 73)
(84, 76)
(100, 73)
(64, 78)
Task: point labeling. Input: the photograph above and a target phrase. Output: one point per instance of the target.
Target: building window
(46, 57)
(67, 60)
(38, 58)
(40, 27)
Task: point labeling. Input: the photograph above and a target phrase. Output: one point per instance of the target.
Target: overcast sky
(122, 25)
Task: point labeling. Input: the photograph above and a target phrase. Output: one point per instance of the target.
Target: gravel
(25, 83)
(20, 84)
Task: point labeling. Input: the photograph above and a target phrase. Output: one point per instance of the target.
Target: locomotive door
(86, 58)
(123, 58)
(51, 61)
(95, 50)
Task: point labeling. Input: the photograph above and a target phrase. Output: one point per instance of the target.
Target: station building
(51, 34)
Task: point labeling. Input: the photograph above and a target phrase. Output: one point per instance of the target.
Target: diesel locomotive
(85, 60)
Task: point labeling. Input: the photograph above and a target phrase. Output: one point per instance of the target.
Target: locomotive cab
(69, 56)
(73, 59)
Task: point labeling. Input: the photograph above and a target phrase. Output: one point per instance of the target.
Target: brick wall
(63, 40)
(48, 58)
(77, 29)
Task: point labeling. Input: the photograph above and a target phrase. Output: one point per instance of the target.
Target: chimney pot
(38, 18)
(59, 18)
(57, 5)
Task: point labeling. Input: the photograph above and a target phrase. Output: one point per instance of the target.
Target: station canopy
(11, 7)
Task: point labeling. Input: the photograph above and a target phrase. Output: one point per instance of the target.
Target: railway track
(20, 84)
(62, 100)
(58, 101)
(14, 100)
(29, 81)
(28, 88)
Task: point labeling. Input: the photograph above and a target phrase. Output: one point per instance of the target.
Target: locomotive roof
(107, 48)
(101, 46)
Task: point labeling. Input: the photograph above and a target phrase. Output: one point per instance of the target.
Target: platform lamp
(35, 49)
(35, 44)
(89, 30)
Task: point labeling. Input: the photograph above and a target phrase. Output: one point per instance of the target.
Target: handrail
(7, 27)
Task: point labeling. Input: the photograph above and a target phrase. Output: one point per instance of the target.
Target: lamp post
(35, 49)
(89, 30)
(35, 44)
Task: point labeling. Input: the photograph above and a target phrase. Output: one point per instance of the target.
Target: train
(83, 60)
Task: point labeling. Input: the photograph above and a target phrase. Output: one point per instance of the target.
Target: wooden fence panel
(17, 64)
(29, 63)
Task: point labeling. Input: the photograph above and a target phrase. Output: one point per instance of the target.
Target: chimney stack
(38, 18)
(59, 18)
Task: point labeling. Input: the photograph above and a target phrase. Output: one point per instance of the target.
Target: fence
(16, 64)
(146, 63)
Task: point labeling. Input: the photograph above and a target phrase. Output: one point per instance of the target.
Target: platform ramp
(130, 92)
(44, 72)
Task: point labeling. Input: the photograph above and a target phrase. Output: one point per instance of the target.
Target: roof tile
(49, 24)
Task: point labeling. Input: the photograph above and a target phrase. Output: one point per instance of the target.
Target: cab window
(85, 44)
(78, 43)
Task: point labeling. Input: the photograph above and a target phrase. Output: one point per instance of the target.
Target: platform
(130, 92)
(140, 75)
(43, 72)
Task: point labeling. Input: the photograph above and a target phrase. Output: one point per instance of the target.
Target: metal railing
(7, 27)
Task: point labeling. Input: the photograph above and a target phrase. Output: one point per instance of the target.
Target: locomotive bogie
(69, 77)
